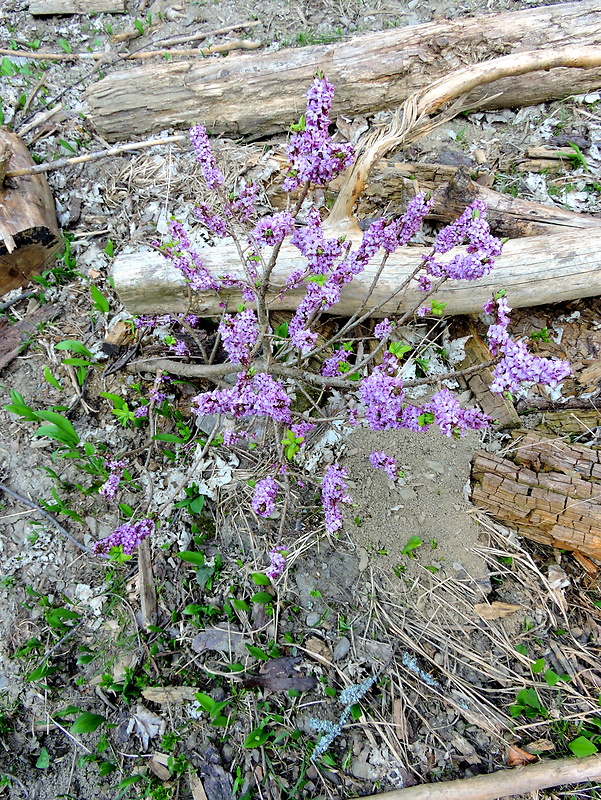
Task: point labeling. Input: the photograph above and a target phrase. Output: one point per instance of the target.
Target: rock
(341, 648)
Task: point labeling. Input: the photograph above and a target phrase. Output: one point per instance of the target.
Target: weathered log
(551, 491)
(393, 184)
(535, 270)
(29, 235)
(46, 7)
(243, 95)
(504, 783)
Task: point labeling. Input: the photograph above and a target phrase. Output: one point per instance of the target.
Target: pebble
(341, 648)
(312, 619)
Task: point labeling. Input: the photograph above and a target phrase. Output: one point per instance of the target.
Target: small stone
(436, 466)
(312, 619)
(341, 648)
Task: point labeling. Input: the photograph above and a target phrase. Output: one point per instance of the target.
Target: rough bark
(550, 491)
(243, 95)
(535, 270)
(29, 236)
(45, 7)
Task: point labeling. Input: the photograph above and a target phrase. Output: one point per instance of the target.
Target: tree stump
(29, 234)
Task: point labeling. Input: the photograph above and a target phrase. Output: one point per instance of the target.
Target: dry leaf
(170, 694)
(280, 674)
(196, 787)
(159, 769)
(495, 610)
(319, 650)
(539, 746)
(558, 577)
(222, 639)
(516, 757)
(146, 724)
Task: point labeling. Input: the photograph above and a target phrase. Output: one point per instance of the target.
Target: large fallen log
(243, 95)
(535, 270)
(550, 491)
(29, 235)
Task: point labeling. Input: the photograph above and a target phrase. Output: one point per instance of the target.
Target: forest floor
(216, 697)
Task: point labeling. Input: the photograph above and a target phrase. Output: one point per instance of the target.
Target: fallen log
(29, 235)
(520, 781)
(550, 491)
(47, 7)
(243, 95)
(535, 270)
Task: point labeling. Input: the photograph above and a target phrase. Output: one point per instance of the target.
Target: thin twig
(50, 166)
(47, 516)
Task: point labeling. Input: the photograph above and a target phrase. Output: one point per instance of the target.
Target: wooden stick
(195, 37)
(506, 782)
(50, 166)
(148, 597)
(223, 47)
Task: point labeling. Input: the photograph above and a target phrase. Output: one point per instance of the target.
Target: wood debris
(550, 491)
(57, 7)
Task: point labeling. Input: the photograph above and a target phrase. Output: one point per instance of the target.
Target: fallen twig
(47, 516)
(50, 166)
(506, 782)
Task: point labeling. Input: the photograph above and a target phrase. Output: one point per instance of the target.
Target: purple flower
(333, 494)
(382, 394)
(263, 501)
(239, 334)
(277, 562)
(312, 153)
(129, 535)
(383, 329)
(213, 222)
(244, 205)
(451, 418)
(180, 348)
(387, 463)
(140, 412)
(273, 229)
(302, 428)
(259, 395)
(335, 365)
(424, 283)
(109, 488)
(204, 155)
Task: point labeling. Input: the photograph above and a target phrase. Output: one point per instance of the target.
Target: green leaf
(43, 761)
(168, 437)
(204, 575)
(197, 504)
(192, 557)
(106, 768)
(205, 701)
(260, 579)
(109, 249)
(64, 46)
(257, 652)
(411, 545)
(100, 301)
(87, 723)
(74, 346)
(521, 648)
(262, 597)
(49, 378)
(356, 711)
(551, 677)
(256, 738)
(242, 605)
(582, 747)
(538, 666)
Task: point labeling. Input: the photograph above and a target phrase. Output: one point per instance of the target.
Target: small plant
(413, 543)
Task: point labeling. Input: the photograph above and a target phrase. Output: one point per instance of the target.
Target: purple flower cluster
(333, 494)
(141, 412)
(277, 562)
(312, 153)
(481, 251)
(204, 155)
(243, 207)
(382, 394)
(258, 395)
(263, 501)
(180, 348)
(335, 365)
(451, 418)
(109, 488)
(213, 222)
(380, 460)
(129, 535)
(383, 329)
(239, 334)
(156, 395)
(273, 229)
(517, 365)
(301, 429)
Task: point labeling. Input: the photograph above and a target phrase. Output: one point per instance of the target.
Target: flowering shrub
(275, 368)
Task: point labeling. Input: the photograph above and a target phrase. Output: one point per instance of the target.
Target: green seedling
(413, 543)
(213, 709)
(100, 303)
(292, 444)
(64, 46)
(194, 501)
(527, 704)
